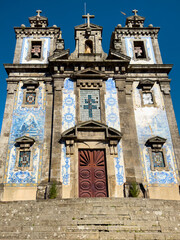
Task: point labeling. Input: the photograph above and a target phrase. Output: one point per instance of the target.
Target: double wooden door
(92, 173)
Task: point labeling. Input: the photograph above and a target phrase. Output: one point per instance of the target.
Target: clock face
(30, 98)
(147, 98)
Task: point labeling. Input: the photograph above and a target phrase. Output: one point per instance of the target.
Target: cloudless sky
(68, 13)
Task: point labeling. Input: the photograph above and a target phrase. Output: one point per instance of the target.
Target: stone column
(57, 127)
(165, 88)
(6, 125)
(133, 171)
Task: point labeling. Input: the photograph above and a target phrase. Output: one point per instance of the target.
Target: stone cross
(135, 12)
(90, 105)
(88, 16)
(38, 12)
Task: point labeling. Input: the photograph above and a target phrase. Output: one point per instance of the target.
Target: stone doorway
(92, 173)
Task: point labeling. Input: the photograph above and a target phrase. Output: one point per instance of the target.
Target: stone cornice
(24, 67)
(149, 68)
(149, 31)
(28, 31)
(131, 68)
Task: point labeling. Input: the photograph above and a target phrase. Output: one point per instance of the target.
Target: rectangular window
(36, 49)
(139, 50)
(158, 159)
(89, 105)
(24, 159)
(147, 98)
(30, 98)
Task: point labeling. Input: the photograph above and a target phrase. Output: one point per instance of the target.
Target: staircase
(95, 218)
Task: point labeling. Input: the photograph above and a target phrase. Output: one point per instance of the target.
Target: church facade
(93, 123)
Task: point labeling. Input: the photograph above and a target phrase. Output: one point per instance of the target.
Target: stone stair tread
(136, 219)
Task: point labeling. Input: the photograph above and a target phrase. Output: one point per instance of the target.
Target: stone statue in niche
(88, 46)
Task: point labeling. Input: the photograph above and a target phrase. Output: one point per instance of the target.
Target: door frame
(90, 135)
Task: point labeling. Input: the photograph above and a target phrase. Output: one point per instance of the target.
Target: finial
(135, 12)
(88, 16)
(38, 12)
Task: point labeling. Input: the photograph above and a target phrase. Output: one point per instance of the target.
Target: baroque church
(93, 123)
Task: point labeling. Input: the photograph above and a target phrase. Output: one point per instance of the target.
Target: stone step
(90, 236)
(91, 219)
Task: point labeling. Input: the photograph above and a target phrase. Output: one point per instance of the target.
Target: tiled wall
(29, 122)
(112, 120)
(25, 49)
(152, 121)
(68, 121)
(149, 47)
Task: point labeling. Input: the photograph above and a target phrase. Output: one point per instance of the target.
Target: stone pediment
(58, 55)
(25, 139)
(85, 26)
(156, 142)
(89, 73)
(114, 54)
(91, 130)
(30, 82)
(146, 84)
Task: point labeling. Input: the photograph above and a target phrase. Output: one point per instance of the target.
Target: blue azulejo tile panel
(111, 105)
(89, 105)
(112, 120)
(69, 105)
(68, 121)
(148, 49)
(65, 161)
(152, 121)
(119, 166)
(29, 122)
(26, 50)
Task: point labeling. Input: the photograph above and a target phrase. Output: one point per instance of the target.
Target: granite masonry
(93, 123)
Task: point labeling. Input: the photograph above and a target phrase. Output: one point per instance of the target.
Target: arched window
(88, 46)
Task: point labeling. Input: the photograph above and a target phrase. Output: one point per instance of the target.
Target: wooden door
(92, 173)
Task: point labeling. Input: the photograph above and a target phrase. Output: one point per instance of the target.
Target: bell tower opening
(88, 46)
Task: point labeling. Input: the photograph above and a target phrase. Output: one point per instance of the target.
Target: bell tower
(88, 39)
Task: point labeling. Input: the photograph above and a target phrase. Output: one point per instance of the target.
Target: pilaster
(57, 128)
(129, 140)
(47, 133)
(165, 88)
(6, 125)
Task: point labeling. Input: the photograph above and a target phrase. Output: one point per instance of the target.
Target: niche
(88, 46)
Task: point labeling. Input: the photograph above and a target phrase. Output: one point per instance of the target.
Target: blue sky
(67, 14)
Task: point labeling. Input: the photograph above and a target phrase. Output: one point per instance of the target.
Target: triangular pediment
(89, 73)
(114, 54)
(39, 18)
(137, 17)
(58, 55)
(25, 139)
(146, 84)
(93, 127)
(92, 124)
(156, 141)
(85, 26)
(31, 82)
